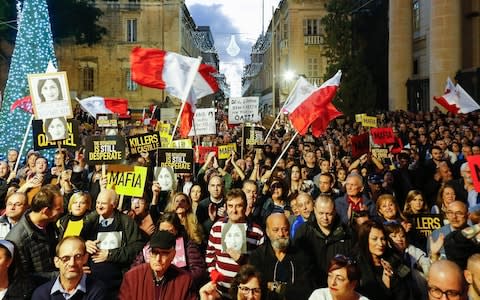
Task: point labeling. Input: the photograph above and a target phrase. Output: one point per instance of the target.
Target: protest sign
(165, 140)
(474, 164)
(41, 142)
(369, 121)
(253, 135)
(359, 117)
(360, 145)
(243, 109)
(383, 135)
(181, 160)
(426, 223)
(201, 153)
(380, 153)
(168, 114)
(104, 149)
(225, 151)
(234, 236)
(163, 128)
(144, 142)
(50, 95)
(203, 122)
(179, 144)
(128, 183)
(107, 120)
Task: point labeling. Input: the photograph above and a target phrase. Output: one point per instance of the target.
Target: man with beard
(285, 268)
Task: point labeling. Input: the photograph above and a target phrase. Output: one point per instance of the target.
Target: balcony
(312, 39)
(284, 44)
(317, 81)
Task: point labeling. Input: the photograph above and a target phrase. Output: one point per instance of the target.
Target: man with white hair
(112, 239)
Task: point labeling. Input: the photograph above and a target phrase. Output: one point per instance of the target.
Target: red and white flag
(24, 103)
(203, 85)
(456, 99)
(310, 106)
(100, 105)
(161, 69)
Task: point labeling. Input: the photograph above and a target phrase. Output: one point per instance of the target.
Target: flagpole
(278, 116)
(25, 136)
(185, 96)
(285, 150)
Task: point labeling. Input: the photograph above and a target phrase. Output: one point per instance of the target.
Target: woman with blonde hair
(389, 211)
(181, 204)
(71, 224)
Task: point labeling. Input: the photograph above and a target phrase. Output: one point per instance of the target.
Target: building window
(415, 67)
(311, 27)
(88, 78)
(131, 30)
(285, 29)
(131, 85)
(312, 67)
(416, 16)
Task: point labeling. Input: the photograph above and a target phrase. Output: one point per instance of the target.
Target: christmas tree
(33, 50)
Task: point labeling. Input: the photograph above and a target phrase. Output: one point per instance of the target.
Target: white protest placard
(203, 122)
(243, 109)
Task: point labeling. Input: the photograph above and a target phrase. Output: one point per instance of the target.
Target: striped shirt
(221, 261)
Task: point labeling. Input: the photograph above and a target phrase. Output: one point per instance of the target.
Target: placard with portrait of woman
(234, 236)
(50, 95)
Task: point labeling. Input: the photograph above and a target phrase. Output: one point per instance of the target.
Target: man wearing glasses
(457, 215)
(72, 282)
(446, 281)
(159, 278)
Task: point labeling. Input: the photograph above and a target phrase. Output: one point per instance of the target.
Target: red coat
(138, 284)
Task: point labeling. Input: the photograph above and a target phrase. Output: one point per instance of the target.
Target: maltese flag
(309, 106)
(161, 69)
(203, 85)
(456, 99)
(100, 105)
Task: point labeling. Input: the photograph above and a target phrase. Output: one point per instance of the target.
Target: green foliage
(357, 93)
(76, 18)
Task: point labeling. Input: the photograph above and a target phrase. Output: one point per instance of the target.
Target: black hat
(163, 240)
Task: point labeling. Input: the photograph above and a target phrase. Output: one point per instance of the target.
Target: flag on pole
(161, 69)
(100, 105)
(203, 85)
(456, 99)
(310, 106)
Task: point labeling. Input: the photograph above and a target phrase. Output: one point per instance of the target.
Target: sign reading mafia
(105, 149)
(127, 182)
(144, 142)
(181, 160)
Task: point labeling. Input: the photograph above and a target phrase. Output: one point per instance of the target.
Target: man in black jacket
(112, 239)
(324, 236)
(35, 235)
(286, 269)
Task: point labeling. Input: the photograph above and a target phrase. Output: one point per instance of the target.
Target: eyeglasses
(246, 290)
(438, 293)
(457, 214)
(77, 257)
(345, 259)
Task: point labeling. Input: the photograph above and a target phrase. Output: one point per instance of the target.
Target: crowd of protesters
(322, 224)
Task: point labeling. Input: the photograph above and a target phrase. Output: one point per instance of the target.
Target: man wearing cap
(72, 282)
(375, 186)
(159, 278)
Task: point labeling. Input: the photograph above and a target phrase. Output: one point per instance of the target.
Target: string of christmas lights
(33, 50)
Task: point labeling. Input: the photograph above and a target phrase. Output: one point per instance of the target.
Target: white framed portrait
(109, 240)
(166, 178)
(50, 95)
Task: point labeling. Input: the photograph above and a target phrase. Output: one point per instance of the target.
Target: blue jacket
(341, 206)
